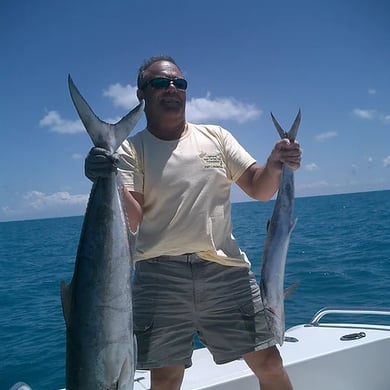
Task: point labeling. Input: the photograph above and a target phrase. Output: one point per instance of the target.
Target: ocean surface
(339, 252)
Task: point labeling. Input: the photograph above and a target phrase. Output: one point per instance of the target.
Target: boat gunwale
(347, 310)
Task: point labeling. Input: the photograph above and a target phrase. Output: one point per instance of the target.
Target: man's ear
(140, 94)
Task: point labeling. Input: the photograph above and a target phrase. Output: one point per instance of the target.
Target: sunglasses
(165, 82)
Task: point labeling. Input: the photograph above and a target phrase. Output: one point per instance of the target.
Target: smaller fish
(276, 243)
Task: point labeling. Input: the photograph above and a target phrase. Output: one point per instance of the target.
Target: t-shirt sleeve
(130, 169)
(236, 157)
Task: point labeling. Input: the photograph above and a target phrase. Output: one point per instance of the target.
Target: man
(190, 274)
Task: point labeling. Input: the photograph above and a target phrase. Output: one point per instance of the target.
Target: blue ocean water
(339, 252)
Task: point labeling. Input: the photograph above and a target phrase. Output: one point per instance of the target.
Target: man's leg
(167, 378)
(267, 365)
(163, 319)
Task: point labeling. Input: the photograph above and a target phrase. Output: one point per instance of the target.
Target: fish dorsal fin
(104, 135)
(292, 133)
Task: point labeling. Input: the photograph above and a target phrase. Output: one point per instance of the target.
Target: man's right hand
(100, 163)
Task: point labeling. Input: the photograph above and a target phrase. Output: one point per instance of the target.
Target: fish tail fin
(127, 123)
(103, 134)
(292, 133)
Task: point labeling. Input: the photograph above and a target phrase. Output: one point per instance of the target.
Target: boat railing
(315, 321)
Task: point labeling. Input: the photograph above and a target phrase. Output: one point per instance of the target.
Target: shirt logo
(211, 160)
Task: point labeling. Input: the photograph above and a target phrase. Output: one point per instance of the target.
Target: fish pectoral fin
(292, 225)
(66, 298)
(288, 291)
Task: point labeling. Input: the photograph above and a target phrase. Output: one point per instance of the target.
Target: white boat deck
(318, 359)
(321, 358)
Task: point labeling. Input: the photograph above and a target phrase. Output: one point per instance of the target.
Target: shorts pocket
(251, 303)
(252, 307)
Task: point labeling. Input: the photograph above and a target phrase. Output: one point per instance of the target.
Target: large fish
(97, 304)
(276, 243)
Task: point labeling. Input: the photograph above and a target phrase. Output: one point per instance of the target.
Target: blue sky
(242, 60)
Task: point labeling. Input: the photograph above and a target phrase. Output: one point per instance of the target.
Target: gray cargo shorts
(175, 297)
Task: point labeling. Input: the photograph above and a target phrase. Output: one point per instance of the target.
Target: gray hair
(150, 61)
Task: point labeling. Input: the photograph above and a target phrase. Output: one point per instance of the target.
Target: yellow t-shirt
(186, 186)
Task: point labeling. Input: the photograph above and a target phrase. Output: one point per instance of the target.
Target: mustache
(171, 93)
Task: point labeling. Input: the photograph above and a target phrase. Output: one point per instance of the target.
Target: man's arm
(133, 202)
(261, 183)
(100, 163)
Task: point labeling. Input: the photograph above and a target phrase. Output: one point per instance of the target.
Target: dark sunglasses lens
(160, 83)
(180, 84)
(163, 82)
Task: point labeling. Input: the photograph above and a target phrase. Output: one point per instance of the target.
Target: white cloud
(325, 136)
(311, 167)
(207, 109)
(77, 156)
(37, 204)
(321, 184)
(197, 110)
(364, 114)
(57, 124)
(121, 96)
(124, 96)
(386, 161)
(372, 91)
(386, 119)
(372, 115)
(40, 201)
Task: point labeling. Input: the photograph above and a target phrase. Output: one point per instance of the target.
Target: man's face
(163, 104)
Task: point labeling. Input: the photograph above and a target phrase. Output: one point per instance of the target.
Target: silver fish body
(97, 304)
(276, 245)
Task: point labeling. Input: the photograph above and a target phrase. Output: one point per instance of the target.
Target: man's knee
(167, 378)
(265, 362)
(267, 365)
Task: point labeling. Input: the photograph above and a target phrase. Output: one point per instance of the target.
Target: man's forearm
(133, 202)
